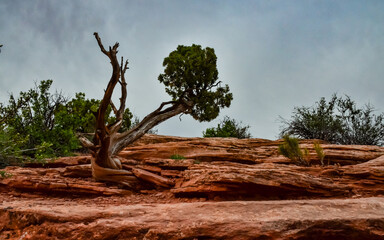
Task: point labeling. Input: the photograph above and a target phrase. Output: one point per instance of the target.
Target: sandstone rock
(62, 162)
(57, 181)
(246, 151)
(152, 178)
(355, 219)
(262, 181)
(60, 200)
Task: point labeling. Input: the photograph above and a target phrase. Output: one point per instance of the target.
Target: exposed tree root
(113, 175)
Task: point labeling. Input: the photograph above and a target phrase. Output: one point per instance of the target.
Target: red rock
(245, 151)
(152, 178)
(310, 219)
(60, 200)
(55, 181)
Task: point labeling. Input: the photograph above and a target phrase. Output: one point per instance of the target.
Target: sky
(274, 54)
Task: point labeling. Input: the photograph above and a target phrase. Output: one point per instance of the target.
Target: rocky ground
(223, 189)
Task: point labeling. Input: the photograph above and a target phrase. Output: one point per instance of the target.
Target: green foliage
(39, 125)
(177, 157)
(320, 152)
(290, 149)
(191, 75)
(31, 118)
(78, 114)
(337, 121)
(10, 147)
(228, 128)
(4, 174)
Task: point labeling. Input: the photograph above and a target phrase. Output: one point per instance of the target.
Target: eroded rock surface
(311, 219)
(216, 190)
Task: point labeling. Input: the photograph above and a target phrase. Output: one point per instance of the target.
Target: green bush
(290, 149)
(10, 147)
(320, 152)
(39, 124)
(337, 121)
(228, 128)
(177, 157)
(29, 125)
(4, 174)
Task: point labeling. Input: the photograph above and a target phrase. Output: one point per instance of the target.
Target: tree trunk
(107, 142)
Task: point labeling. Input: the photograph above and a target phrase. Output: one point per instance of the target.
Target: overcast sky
(274, 55)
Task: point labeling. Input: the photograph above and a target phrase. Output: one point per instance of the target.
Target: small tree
(190, 78)
(337, 121)
(228, 128)
(320, 152)
(290, 149)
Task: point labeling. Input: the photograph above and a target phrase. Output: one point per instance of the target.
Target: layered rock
(355, 219)
(60, 200)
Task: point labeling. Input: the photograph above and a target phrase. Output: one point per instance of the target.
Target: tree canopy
(191, 75)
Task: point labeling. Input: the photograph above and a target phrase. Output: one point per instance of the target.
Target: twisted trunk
(108, 142)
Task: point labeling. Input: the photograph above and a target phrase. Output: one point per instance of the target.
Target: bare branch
(113, 107)
(100, 44)
(115, 126)
(215, 85)
(123, 83)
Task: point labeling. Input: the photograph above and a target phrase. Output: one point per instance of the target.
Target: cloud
(274, 54)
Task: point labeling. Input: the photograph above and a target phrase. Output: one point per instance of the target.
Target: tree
(228, 128)
(31, 117)
(190, 78)
(337, 121)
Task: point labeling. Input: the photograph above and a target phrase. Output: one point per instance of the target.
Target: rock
(351, 154)
(355, 219)
(57, 181)
(79, 171)
(152, 178)
(202, 196)
(62, 162)
(245, 151)
(262, 181)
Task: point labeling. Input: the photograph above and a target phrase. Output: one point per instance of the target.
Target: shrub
(228, 128)
(39, 124)
(10, 148)
(177, 157)
(337, 121)
(320, 152)
(290, 149)
(4, 174)
(29, 125)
